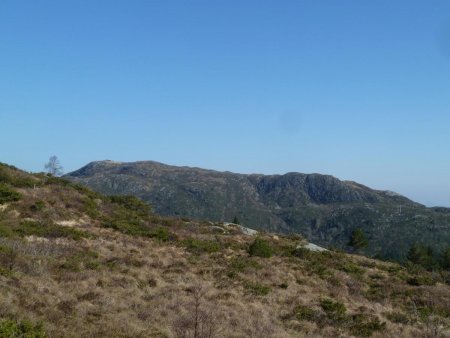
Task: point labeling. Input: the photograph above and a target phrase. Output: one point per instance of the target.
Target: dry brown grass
(200, 283)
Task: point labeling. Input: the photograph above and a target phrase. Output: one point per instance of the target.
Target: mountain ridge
(321, 207)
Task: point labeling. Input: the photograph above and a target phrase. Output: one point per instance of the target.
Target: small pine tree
(445, 258)
(236, 220)
(261, 248)
(358, 240)
(421, 255)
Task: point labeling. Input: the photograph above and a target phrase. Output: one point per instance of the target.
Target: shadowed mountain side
(321, 207)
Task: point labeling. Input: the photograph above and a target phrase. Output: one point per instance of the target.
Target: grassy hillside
(74, 263)
(322, 208)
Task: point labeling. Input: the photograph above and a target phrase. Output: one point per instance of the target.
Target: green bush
(305, 313)
(350, 268)
(91, 207)
(257, 289)
(421, 280)
(358, 239)
(334, 310)
(8, 195)
(37, 206)
(50, 230)
(284, 285)
(397, 317)
(81, 260)
(445, 258)
(302, 253)
(201, 246)
(363, 326)
(376, 292)
(24, 329)
(12, 176)
(8, 258)
(5, 231)
(260, 248)
(162, 234)
(132, 203)
(132, 226)
(241, 263)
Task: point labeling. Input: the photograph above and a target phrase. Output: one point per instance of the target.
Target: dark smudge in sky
(290, 122)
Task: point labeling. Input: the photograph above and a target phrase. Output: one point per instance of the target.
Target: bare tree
(53, 166)
(200, 321)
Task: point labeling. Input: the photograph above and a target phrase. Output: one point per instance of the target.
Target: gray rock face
(322, 208)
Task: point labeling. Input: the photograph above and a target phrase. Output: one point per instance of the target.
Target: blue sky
(353, 88)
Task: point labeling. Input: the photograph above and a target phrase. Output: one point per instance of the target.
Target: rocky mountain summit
(322, 208)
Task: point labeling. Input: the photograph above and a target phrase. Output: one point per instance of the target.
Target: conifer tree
(358, 239)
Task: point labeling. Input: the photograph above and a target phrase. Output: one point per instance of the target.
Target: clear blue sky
(359, 89)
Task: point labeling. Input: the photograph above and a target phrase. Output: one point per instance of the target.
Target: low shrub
(201, 246)
(132, 203)
(8, 195)
(260, 248)
(376, 292)
(81, 260)
(334, 310)
(283, 285)
(302, 253)
(319, 269)
(421, 280)
(91, 207)
(50, 230)
(351, 268)
(37, 206)
(364, 326)
(25, 329)
(5, 231)
(162, 234)
(8, 258)
(257, 289)
(306, 313)
(397, 317)
(241, 264)
(12, 176)
(133, 227)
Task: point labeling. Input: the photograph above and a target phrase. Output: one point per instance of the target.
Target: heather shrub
(8, 195)
(397, 317)
(132, 203)
(47, 229)
(37, 206)
(306, 313)
(260, 248)
(201, 246)
(8, 257)
(132, 226)
(365, 326)
(335, 310)
(23, 329)
(81, 260)
(256, 288)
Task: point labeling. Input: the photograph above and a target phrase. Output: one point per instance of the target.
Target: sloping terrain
(322, 208)
(74, 263)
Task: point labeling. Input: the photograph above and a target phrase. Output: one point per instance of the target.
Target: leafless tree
(200, 320)
(53, 166)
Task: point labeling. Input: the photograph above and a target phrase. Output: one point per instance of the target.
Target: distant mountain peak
(322, 208)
